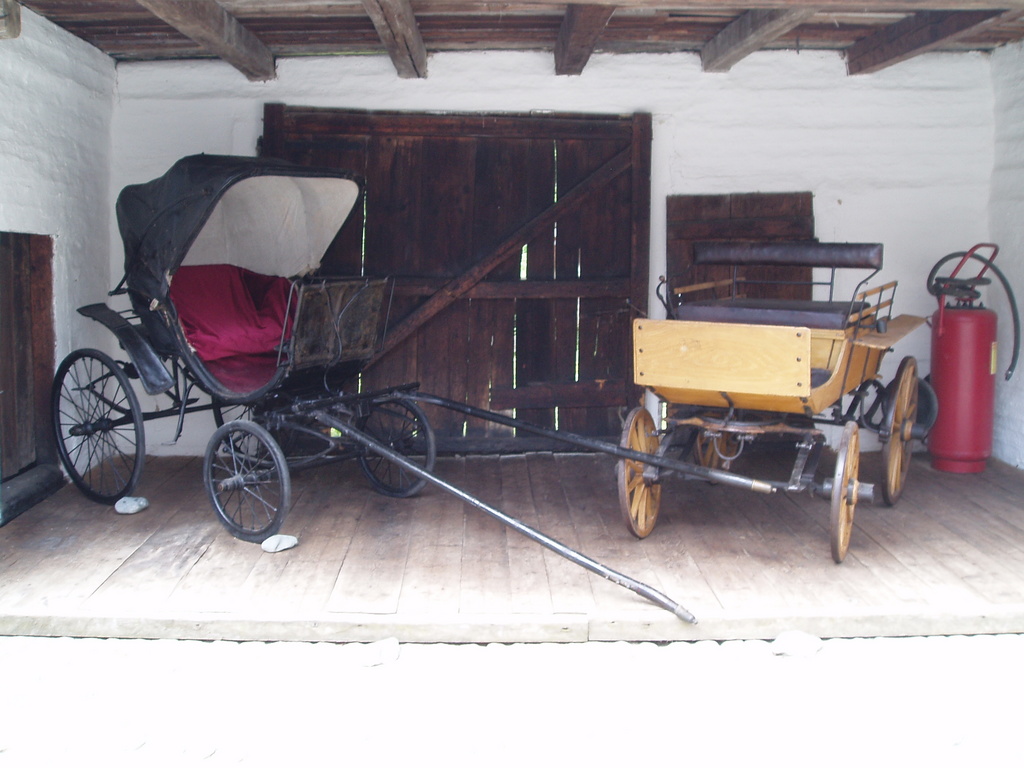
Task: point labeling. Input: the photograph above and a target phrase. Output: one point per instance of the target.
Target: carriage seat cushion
(832, 315)
(227, 310)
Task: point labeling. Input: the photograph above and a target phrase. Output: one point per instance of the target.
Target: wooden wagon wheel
(901, 415)
(716, 451)
(844, 490)
(639, 499)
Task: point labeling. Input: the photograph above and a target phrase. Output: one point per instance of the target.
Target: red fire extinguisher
(964, 363)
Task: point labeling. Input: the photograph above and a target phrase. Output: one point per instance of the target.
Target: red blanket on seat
(227, 310)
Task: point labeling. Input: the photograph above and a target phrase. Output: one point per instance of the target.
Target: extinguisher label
(993, 361)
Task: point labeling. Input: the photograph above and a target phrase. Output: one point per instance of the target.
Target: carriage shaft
(705, 473)
(573, 556)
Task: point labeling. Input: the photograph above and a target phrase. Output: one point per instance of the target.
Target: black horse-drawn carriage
(228, 314)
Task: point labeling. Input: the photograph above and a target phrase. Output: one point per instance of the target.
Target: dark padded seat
(833, 315)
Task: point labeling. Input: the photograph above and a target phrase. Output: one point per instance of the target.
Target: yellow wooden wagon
(735, 368)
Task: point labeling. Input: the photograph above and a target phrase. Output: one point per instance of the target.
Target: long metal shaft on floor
(622, 580)
(603, 446)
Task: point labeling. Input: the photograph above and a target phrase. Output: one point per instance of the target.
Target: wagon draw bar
(622, 580)
(603, 446)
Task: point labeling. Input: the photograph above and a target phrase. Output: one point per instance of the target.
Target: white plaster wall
(902, 157)
(56, 106)
(1007, 225)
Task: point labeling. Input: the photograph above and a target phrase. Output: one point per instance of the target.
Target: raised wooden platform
(948, 560)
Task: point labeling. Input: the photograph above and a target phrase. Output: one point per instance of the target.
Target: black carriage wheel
(639, 499)
(844, 491)
(247, 479)
(401, 426)
(900, 418)
(98, 423)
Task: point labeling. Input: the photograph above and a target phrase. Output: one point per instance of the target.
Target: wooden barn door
(28, 453)
(519, 248)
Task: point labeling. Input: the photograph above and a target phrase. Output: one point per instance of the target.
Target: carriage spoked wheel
(716, 451)
(401, 426)
(247, 479)
(844, 490)
(900, 418)
(639, 498)
(99, 425)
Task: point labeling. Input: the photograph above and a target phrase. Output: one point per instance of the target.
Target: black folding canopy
(266, 215)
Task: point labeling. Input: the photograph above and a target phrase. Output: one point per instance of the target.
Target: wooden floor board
(948, 559)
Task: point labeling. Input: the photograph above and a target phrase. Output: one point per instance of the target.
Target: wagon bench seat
(832, 315)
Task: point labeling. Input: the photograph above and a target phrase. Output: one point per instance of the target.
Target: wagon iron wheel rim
(639, 496)
(98, 424)
(247, 480)
(845, 488)
(896, 452)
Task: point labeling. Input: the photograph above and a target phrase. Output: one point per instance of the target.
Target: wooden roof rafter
(749, 33)
(249, 33)
(396, 25)
(208, 24)
(578, 35)
(918, 34)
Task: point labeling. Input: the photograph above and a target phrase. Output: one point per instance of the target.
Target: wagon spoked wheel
(247, 480)
(901, 415)
(401, 426)
(639, 498)
(844, 490)
(716, 451)
(99, 425)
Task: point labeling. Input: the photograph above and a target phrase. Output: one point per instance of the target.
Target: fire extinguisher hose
(963, 290)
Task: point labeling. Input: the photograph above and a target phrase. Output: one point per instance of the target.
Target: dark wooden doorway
(27, 450)
(519, 248)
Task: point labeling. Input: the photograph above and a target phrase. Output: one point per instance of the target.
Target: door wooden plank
(509, 246)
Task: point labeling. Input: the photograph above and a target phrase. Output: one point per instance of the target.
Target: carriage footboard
(154, 376)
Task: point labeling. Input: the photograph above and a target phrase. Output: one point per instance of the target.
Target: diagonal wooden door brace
(458, 286)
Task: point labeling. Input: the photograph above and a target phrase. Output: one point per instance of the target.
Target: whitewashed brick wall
(1007, 224)
(902, 157)
(56, 106)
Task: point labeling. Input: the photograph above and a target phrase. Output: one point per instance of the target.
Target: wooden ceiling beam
(750, 32)
(581, 28)
(10, 19)
(396, 26)
(918, 34)
(212, 27)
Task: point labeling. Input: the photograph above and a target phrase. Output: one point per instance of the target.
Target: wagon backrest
(830, 256)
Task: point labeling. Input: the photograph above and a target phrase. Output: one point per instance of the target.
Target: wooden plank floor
(949, 559)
